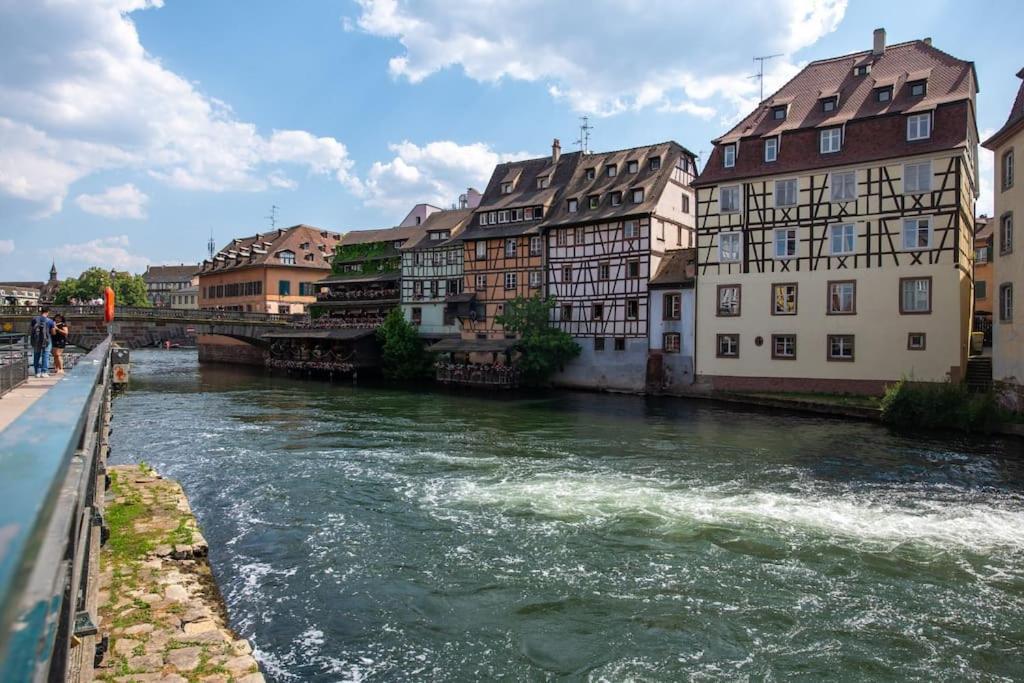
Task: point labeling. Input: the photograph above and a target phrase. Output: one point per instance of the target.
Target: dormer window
(593, 201)
(862, 70)
(771, 149)
(919, 126)
(632, 166)
(543, 182)
(654, 163)
(286, 257)
(831, 140)
(638, 195)
(779, 113)
(591, 173)
(919, 88)
(829, 104)
(506, 188)
(729, 155)
(883, 94)
(572, 206)
(615, 198)
(611, 170)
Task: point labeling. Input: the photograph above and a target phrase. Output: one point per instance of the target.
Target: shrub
(403, 354)
(545, 349)
(939, 406)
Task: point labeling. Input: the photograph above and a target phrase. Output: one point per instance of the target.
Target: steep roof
(179, 273)
(452, 220)
(677, 269)
(1014, 122)
(381, 235)
(313, 248)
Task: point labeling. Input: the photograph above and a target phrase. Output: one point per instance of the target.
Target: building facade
(432, 273)
(618, 214)
(983, 278)
(164, 284)
(20, 293)
(1008, 257)
(672, 308)
(835, 228)
(273, 272)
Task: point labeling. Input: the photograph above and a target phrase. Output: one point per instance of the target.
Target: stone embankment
(158, 599)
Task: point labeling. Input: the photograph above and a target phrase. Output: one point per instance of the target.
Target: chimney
(879, 47)
(927, 41)
(556, 151)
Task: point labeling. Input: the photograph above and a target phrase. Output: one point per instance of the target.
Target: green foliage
(940, 406)
(374, 257)
(129, 290)
(545, 349)
(404, 356)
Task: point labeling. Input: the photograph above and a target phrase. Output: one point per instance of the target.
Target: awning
(327, 333)
(463, 298)
(470, 345)
(357, 279)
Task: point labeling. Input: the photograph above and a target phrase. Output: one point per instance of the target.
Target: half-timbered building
(617, 215)
(432, 272)
(835, 227)
(672, 306)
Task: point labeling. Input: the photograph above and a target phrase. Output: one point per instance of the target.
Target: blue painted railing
(51, 481)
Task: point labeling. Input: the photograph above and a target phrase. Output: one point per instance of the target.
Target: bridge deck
(17, 400)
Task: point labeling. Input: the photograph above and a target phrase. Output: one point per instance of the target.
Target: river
(368, 533)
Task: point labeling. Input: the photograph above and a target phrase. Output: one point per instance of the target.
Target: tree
(129, 290)
(545, 349)
(403, 354)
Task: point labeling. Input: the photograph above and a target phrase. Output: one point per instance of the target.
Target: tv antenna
(760, 72)
(211, 246)
(273, 216)
(585, 128)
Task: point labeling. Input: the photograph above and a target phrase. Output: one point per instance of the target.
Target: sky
(133, 130)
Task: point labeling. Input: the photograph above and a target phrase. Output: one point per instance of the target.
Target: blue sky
(132, 129)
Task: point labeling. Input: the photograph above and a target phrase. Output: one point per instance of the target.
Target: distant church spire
(53, 271)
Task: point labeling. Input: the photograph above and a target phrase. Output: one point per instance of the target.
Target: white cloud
(435, 173)
(79, 94)
(6, 247)
(105, 252)
(986, 177)
(121, 201)
(619, 55)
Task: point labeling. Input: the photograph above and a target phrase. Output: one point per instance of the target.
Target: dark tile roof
(1014, 122)
(24, 285)
(381, 235)
(950, 81)
(263, 248)
(452, 220)
(179, 273)
(677, 268)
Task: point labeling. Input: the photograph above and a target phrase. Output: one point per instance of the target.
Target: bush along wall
(940, 406)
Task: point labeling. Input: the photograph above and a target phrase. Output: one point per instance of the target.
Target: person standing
(41, 331)
(60, 341)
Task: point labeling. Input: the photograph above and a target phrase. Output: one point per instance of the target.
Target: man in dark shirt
(41, 336)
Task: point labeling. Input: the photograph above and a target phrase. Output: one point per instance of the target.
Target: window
(615, 197)
(1007, 168)
(632, 166)
(862, 70)
(728, 301)
(566, 274)
(492, 218)
(917, 177)
(632, 309)
(535, 245)
(654, 163)
(620, 343)
(980, 289)
(831, 140)
(538, 213)
(535, 279)
(785, 192)
(481, 282)
(604, 270)
(779, 113)
(918, 88)
(784, 346)
(591, 173)
(840, 347)
(729, 155)
(435, 289)
(503, 216)
(528, 214)
(843, 238)
(510, 248)
(566, 313)
(453, 255)
(572, 205)
(729, 199)
(784, 299)
(919, 126)
(728, 346)
(611, 170)
(417, 316)
(593, 201)
(561, 238)
(916, 341)
(481, 249)
(506, 188)
(771, 149)
(842, 297)
(417, 289)
(671, 306)
(543, 182)
(633, 268)
(284, 287)
(843, 186)
(981, 255)
(671, 342)
(517, 215)
(828, 104)
(286, 257)
(631, 229)
(454, 286)
(1006, 302)
(686, 203)
(729, 247)
(1006, 234)
(638, 195)
(580, 234)
(883, 94)
(917, 233)
(915, 295)
(597, 312)
(511, 280)
(785, 243)
(599, 343)
(307, 289)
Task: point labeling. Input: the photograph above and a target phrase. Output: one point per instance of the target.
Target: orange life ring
(108, 305)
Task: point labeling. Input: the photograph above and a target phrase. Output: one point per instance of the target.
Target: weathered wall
(214, 348)
(607, 370)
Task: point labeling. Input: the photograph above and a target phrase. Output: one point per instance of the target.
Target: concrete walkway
(16, 401)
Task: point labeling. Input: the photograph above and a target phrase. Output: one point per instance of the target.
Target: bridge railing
(14, 359)
(154, 313)
(52, 468)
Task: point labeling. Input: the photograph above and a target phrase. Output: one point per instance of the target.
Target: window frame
(779, 337)
(597, 312)
(511, 280)
(1005, 302)
(774, 300)
(828, 297)
(832, 187)
(884, 90)
(829, 132)
(633, 166)
(774, 139)
(1006, 229)
(481, 279)
(676, 347)
(917, 176)
(718, 301)
(593, 201)
(910, 341)
(722, 336)
(923, 83)
(775, 244)
(511, 247)
(615, 198)
(636, 229)
(786, 182)
(826, 101)
(632, 195)
(1006, 163)
(739, 250)
(654, 163)
(721, 191)
(611, 170)
(829, 356)
(831, 239)
(729, 161)
(536, 240)
(565, 313)
(535, 275)
(917, 231)
(619, 343)
(671, 306)
(780, 112)
(635, 305)
(632, 268)
(572, 205)
(922, 278)
(604, 271)
(924, 116)
(567, 273)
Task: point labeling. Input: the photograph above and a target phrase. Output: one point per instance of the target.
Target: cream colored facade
(1008, 262)
(878, 331)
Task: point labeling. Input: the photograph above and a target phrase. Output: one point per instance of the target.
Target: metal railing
(52, 469)
(15, 357)
(476, 374)
(200, 315)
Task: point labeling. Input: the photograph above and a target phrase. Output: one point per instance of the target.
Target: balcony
(477, 374)
(361, 294)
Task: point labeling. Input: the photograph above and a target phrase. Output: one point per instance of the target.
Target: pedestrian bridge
(135, 327)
